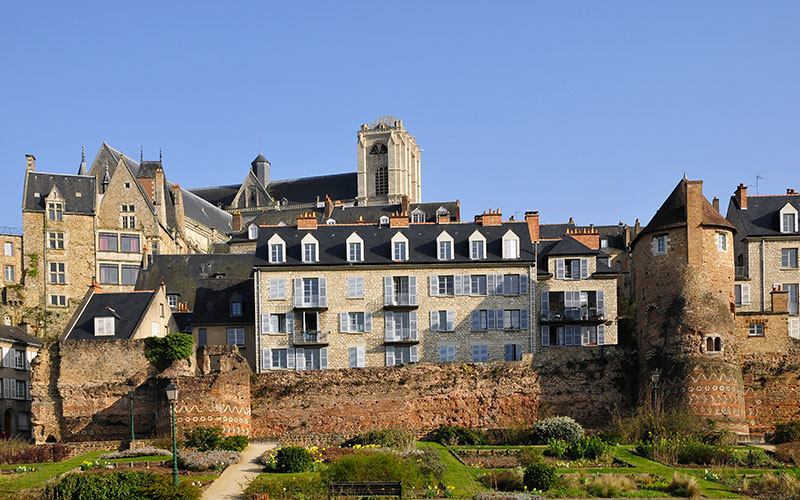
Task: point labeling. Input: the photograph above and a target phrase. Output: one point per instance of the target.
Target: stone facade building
(17, 350)
(12, 306)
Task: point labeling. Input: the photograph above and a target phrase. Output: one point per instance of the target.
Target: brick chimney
(328, 207)
(741, 196)
(160, 198)
(532, 218)
(492, 218)
(442, 218)
(30, 161)
(716, 203)
(180, 215)
(404, 204)
(307, 220)
(236, 223)
(791, 191)
(780, 300)
(586, 235)
(398, 219)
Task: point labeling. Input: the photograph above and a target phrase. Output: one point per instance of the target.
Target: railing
(741, 271)
(311, 302)
(403, 335)
(401, 300)
(310, 337)
(574, 315)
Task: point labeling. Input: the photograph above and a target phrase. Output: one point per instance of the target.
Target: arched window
(380, 161)
(381, 181)
(717, 344)
(709, 344)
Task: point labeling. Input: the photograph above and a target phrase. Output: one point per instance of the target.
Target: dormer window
(277, 250)
(510, 245)
(383, 220)
(603, 243)
(172, 301)
(330, 222)
(55, 210)
(236, 305)
(417, 216)
(444, 245)
(399, 247)
(477, 246)
(252, 232)
(355, 248)
(104, 326)
(788, 219)
(310, 247)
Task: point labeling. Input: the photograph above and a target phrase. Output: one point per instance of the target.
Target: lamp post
(172, 396)
(131, 389)
(654, 378)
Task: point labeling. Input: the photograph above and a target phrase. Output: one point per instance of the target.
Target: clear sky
(592, 110)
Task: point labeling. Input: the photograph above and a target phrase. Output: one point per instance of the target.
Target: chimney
(30, 163)
(716, 203)
(404, 204)
(236, 223)
(791, 191)
(532, 218)
(492, 218)
(95, 287)
(398, 219)
(161, 197)
(180, 216)
(637, 227)
(586, 235)
(780, 300)
(741, 196)
(571, 221)
(442, 218)
(307, 220)
(328, 207)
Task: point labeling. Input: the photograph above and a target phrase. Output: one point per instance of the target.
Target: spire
(106, 181)
(82, 168)
(260, 167)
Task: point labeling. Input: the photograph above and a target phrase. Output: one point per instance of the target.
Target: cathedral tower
(388, 163)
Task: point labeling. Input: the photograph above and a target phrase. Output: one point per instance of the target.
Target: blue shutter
(545, 305)
(523, 284)
(451, 321)
(490, 285)
(476, 320)
(545, 336)
(523, 319)
(353, 357)
(490, 319)
(498, 319)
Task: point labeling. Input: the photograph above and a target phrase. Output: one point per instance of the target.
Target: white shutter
(323, 358)
(498, 281)
(585, 335)
(266, 359)
(323, 292)
(388, 327)
(560, 274)
(361, 360)
(360, 286)
(523, 319)
(414, 354)
(433, 285)
(545, 305)
(490, 285)
(523, 284)
(745, 293)
(353, 357)
(28, 357)
(412, 290)
(388, 291)
(601, 303)
(451, 321)
(290, 359)
(412, 325)
(273, 288)
(476, 320)
(8, 385)
(266, 323)
(466, 283)
(367, 321)
(458, 287)
(498, 319)
(155, 329)
(298, 292)
(451, 352)
(434, 321)
(794, 328)
(290, 322)
(351, 287)
(584, 268)
(344, 322)
(300, 359)
(281, 288)
(389, 356)
(601, 335)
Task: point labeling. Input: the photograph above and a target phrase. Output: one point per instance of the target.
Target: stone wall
(772, 394)
(328, 406)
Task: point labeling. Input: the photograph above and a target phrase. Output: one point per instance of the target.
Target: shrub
(540, 477)
(203, 438)
(389, 438)
(430, 463)
(608, 486)
(378, 466)
(279, 488)
(787, 432)
(752, 459)
(18, 451)
(563, 428)
(556, 447)
(503, 480)
(162, 351)
(643, 425)
(207, 460)
(147, 451)
(528, 456)
(293, 459)
(165, 442)
(451, 435)
(788, 452)
(683, 485)
(119, 486)
(234, 443)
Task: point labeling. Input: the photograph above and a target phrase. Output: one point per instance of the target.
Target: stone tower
(260, 167)
(685, 322)
(388, 163)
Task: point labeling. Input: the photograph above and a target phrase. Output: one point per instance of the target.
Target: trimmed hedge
(119, 486)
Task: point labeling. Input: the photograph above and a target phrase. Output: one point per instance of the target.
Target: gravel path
(235, 478)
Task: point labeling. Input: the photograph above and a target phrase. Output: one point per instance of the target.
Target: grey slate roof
(147, 169)
(354, 214)
(109, 155)
(212, 303)
(554, 231)
(219, 196)
(377, 243)
(567, 247)
(570, 246)
(16, 335)
(199, 210)
(68, 186)
(762, 217)
(127, 307)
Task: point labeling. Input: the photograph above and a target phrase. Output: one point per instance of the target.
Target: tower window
(713, 344)
(381, 181)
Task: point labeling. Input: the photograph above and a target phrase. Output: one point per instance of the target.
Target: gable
(251, 193)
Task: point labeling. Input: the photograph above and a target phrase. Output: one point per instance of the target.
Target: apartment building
(17, 350)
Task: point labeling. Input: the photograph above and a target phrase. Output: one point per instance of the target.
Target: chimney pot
(741, 196)
(30, 163)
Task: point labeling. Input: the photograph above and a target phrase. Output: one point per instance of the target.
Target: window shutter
(545, 305)
(476, 320)
(498, 281)
(344, 322)
(388, 327)
(388, 291)
(509, 352)
(794, 328)
(412, 290)
(360, 286)
(585, 335)
(3, 352)
(490, 285)
(451, 352)
(290, 322)
(584, 268)
(498, 319)
(458, 287)
(351, 287)
(323, 358)
(434, 321)
(523, 319)
(281, 288)
(231, 337)
(323, 292)
(298, 292)
(414, 354)
(412, 325)
(451, 321)
(523, 284)
(745, 293)
(601, 335)
(560, 274)
(601, 303)
(367, 321)
(265, 324)
(290, 358)
(300, 359)
(508, 287)
(361, 360)
(353, 357)
(466, 283)
(490, 319)
(266, 359)
(433, 285)
(273, 288)
(28, 358)
(28, 391)
(389, 356)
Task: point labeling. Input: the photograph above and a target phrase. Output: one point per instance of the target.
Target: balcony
(587, 316)
(402, 337)
(400, 301)
(317, 302)
(310, 338)
(741, 271)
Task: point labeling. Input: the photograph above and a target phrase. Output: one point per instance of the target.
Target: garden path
(234, 479)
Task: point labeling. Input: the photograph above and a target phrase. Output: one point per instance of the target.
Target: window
(128, 208)
(20, 386)
(277, 288)
(310, 292)
(789, 257)
(384, 219)
(443, 321)
(55, 240)
(161, 310)
(57, 274)
(480, 353)
(355, 287)
(400, 355)
(510, 245)
(202, 336)
(355, 322)
(279, 359)
(660, 244)
(511, 284)
(447, 353)
(511, 319)
(127, 185)
(8, 247)
(128, 222)
(446, 285)
(107, 242)
(499, 319)
(572, 269)
(400, 290)
(236, 336)
(278, 323)
(400, 326)
(604, 243)
(356, 357)
(19, 359)
(756, 330)
(109, 274)
(129, 275)
(276, 253)
(252, 232)
(741, 294)
(722, 242)
(104, 326)
(513, 352)
(55, 211)
(381, 181)
(445, 250)
(417, 216)
(399, 250)
(792, 288)
(788, 222)
(312, 359)
(236, 308)
(354, 252)
(58, 300)
(309, 252)
(477, 250)
(172, 300)
(478, 284)
(129, 243)
(9, 273)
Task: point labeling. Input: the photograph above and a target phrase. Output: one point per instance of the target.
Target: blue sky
(591, 110)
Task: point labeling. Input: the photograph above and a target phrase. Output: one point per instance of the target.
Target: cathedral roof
(387, 120)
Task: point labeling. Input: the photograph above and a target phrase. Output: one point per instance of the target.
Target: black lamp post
(172, 396)
(131, 389)
(654, 378)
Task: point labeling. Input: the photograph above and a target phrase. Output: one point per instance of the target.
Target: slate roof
(554, 231)
(566, 247)
(147, 169)
(762, 217)
(181, 273)
(16, 335)
(377, 243)
(109, 155)
(68, 186)
(199, 210)
(212, 303)
(219, 196)
(127, 307)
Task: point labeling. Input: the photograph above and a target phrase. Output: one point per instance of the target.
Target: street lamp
(172, 396)
(654, 378)
(131, 389)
